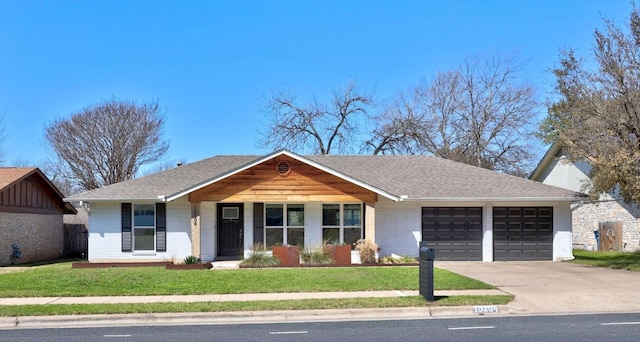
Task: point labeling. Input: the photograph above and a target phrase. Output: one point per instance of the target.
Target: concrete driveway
(556, 287)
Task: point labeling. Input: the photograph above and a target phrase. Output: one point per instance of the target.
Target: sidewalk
(232, 297)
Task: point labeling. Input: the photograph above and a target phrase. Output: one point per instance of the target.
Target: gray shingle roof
(416, 177)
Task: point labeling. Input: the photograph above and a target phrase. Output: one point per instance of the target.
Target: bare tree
(321, 128)
(477, 113)
(108, 142)
(59, 179)
(597, 117)
(398, 129)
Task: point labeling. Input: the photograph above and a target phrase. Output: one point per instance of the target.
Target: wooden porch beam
(195, 229)
(370, 221)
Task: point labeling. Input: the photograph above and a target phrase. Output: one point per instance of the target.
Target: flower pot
(341, 254)
(288, 255)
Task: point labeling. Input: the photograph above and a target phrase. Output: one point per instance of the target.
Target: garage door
(454, 233)
(522, 233)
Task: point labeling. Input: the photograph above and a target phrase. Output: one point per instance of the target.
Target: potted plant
(258, 258)
(288, 255)
(316, 256)
(368, 251)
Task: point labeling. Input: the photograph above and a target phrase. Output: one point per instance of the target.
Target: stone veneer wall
(39, 236)
(586, 217)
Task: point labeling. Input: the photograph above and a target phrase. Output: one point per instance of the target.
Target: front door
(230, 231)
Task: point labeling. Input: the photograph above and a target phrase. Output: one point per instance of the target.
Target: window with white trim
(144, 228)
(281, 229)
(342, 223)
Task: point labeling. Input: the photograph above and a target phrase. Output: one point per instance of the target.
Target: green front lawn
(60, 280)
(615, 260)
(304, 304)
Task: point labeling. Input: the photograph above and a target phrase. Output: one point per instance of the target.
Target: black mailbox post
(426, 256)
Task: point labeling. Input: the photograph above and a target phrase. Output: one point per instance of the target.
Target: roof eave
(546, 160)
(490, 199)
(90, 200)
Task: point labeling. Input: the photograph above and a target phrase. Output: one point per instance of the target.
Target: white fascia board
(273, 155)
(89, 200)
(490, 199)
(545, 161)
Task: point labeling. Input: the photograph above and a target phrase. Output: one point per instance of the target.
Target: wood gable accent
(30, 195)
(266, 182)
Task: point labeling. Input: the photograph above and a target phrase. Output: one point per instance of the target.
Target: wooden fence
(76, 240)
(610, 236)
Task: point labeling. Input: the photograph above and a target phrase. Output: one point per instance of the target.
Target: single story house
(218, 208)
(31, 215)
(557, 170)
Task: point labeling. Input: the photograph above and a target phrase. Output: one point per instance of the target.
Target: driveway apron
(556, 287)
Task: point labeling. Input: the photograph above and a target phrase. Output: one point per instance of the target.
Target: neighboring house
(557, 170)
(31, 211)
(218, 208)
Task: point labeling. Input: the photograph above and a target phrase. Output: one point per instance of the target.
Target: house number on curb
(485, 309)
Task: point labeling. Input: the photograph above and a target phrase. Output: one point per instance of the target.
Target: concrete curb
(236, 317)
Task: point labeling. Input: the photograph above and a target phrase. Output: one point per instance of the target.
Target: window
(281, 229)
(342, 223)
(230, 213)
(144, 230)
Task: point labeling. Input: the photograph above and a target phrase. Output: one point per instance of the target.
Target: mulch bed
(117, 264)
(167, 265)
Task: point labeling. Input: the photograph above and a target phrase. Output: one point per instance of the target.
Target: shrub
(191, 260)
(259, 258)
(388, 260)
(316, 256)
(405, 259)
(367, 250)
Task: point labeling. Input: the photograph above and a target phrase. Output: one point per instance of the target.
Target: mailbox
(426, 255)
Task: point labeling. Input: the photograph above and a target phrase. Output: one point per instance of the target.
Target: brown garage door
(522, 233)
(454, 233)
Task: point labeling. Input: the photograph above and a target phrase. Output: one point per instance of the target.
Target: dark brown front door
(230, 231)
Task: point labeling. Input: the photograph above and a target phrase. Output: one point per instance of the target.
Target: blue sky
(211, 63)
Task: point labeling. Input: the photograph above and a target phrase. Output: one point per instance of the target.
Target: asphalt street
(599, 327)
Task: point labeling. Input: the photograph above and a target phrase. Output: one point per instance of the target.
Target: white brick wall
(248, 228)
(487, 233)
(398, 229)
(178, 231)
(562, 237)
(105, 241)
(104, 232)
(208, 223)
